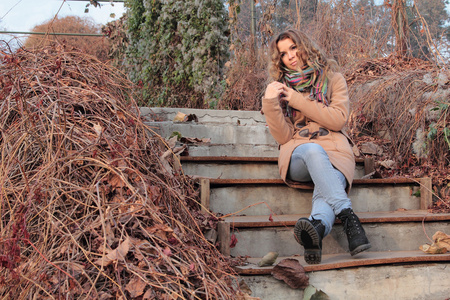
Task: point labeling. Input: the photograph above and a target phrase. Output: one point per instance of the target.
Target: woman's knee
(309, 151)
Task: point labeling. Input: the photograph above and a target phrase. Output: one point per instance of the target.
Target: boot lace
(352, 225)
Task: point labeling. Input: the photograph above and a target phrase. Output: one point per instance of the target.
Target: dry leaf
(356, 150)
(442, 240)
(117, 254)
(135, 287)
(180, 117)
(441, 244)
(433, 249)
(105, 296)
(233, 241)
(121, 116)
(172, 142)
(160, 230)
(292, 272)
(388, 164)
(116, 182)
(148, 295)
(268, 259)
(190, 140)
(165, 161)
(98, 129)
(167, 251)
(244, 296)
(244, 287)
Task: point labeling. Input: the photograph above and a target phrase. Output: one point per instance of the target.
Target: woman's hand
(274, 89)
(287, 93)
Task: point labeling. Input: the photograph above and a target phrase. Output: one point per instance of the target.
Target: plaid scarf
(303, 80)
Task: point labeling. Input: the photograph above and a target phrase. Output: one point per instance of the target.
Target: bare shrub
(96, 46)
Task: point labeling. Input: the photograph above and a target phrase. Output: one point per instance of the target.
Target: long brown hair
(307, 51)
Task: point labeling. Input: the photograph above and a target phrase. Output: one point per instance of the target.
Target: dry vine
(402, 105)
(91, 206)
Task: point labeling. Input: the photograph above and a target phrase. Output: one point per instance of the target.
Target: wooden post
(369, 165)
(224, 235)
(204, 194)
(426, 192)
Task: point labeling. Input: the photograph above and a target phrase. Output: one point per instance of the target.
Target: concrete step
(392, 269)
(387, 231)
(241, 150)
(228, 167)
(218, 133)
(344, 260)
(205, 116)
(272, 196)
(402, 275)
(237, 133)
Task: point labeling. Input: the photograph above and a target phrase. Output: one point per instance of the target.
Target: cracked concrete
(206, 116)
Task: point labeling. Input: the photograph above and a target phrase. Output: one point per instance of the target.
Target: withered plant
(91, 203)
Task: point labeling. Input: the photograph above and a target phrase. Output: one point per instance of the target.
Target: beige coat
(314, 115)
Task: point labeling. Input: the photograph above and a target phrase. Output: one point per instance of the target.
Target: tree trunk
(400, 25)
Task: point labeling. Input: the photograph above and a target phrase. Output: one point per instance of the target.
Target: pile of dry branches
(90, 207)
(402, 104)
(392, 64)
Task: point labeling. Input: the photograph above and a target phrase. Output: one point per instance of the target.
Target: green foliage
(176, 50)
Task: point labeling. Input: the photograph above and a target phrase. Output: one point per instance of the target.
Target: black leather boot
(356, 236)
(310, 234)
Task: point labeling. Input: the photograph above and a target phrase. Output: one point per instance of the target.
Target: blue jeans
(310, 162)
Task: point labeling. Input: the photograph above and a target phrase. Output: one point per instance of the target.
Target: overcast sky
(23, 15)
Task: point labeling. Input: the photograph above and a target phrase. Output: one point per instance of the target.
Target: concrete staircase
(239, 180)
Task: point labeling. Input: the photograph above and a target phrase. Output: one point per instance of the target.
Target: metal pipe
(99, 0)
(51, 33)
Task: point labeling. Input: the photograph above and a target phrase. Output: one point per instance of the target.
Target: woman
(306, 107)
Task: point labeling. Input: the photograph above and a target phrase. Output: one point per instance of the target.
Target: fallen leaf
(172, 142)
(442, 240)
(311, 293)
(190, 140)
(433, 249)
(233, 241)
(148, 295)
(117, 254)
(268, 259)
(121, 116)
(135, 287)
(371, 148)
(191, 117)
(164, 159)
(162, 231)
(356, 150)
(270, 218)
(105, 296)
(320, 295)
(179, 117)
(98, 129)
(116, 181)
(244, 296)
(441, 244)
(192, 267)
(388, 164)
(292, 272)
(167, 251)
(243, 287)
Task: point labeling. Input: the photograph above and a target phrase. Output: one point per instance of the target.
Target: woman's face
(289, 54)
